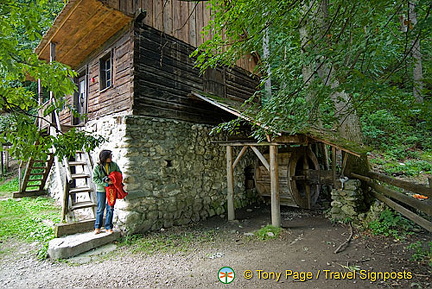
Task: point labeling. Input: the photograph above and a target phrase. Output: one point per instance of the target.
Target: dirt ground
(302, 257)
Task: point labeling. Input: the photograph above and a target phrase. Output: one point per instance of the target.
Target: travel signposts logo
(226, 275)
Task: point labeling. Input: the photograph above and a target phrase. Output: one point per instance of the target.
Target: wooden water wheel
(299, 177)
(303, 176)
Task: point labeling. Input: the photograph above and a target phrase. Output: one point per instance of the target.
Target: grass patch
(167, 241)
(268, 232)
(8, 186)
(23, 219)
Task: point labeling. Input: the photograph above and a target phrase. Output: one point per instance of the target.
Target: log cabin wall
(165, 75)
(117, 98)
(181, 19)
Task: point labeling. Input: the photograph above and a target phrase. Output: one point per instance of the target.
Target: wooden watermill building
(139, 89)
(134, 82)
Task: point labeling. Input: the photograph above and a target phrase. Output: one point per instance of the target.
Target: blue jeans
(101, 205)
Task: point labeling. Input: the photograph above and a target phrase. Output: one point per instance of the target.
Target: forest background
(362, 69)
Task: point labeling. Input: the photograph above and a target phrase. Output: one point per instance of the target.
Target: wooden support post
(335, 185)
(230, 183)
(274, 187)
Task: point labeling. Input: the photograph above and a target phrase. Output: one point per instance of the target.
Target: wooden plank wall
(119, 97)
(181, 19)
(165, 75)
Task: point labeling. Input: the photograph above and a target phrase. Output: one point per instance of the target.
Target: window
(80, 99)
(105, 64)
(214, 81)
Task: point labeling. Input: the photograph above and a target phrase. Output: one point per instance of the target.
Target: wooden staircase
(35, 177)
(79, 200)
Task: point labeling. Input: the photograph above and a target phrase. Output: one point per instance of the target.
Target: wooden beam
(423, 206)
(247, 143)
(30, 194)
(242, 152)
(261, 157)
(230, 183)
(64, 229)
(407, 213)
(274, 187)
(410, 201)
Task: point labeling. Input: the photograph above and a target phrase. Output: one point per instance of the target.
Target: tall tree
(328, 58)
(22, 23)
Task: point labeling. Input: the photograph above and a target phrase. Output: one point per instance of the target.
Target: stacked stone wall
(173, 172)
(348, 202)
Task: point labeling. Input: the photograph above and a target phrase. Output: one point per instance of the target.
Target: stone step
(73, 245)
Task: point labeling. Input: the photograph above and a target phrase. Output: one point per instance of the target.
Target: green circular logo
(226, 275)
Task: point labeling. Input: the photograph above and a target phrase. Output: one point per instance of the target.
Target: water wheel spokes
(303, 177)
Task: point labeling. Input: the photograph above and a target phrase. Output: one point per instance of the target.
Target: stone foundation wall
(173, 172)
(348, 202)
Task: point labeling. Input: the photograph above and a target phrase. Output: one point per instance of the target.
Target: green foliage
(391, 224)
(268, 232)
(355, 47)
(22, 23)
(422, 252)
(24, 220)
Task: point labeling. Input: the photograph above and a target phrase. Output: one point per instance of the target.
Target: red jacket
(115, 191)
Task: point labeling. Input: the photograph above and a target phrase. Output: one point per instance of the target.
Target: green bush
(392, 224)
(422, 252)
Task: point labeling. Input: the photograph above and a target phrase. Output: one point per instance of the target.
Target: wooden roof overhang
(80, 28)
(281, 138)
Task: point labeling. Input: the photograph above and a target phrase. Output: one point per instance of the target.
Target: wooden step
(80, 190)
(37, 174)
(80, 176)
(39, 168)
(29, 193)
(83, 205)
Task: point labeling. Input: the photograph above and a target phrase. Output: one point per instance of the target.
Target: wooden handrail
(421, 189)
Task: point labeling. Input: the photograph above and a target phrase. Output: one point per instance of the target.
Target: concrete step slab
(72, 245)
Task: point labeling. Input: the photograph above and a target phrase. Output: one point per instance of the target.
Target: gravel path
(305, 250)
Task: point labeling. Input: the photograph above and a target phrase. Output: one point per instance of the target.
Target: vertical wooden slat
(176, 18)
(114, 4)
(158, 11)
(274, 187)
(207, 17)
(192, 24)
(230, 183)
(199, 20)
(168, 16)
(147, 5)
(184, 18)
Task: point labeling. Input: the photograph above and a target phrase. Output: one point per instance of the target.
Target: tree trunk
(417, 56)
(349, 123)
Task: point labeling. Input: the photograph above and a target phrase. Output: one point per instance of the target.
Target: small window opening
(105, 64)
